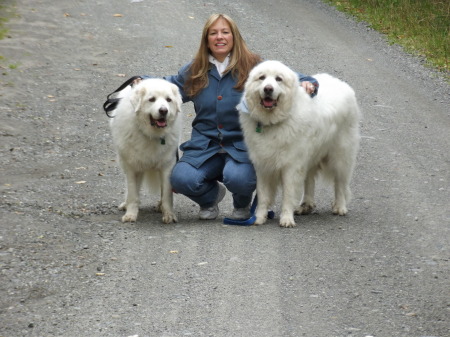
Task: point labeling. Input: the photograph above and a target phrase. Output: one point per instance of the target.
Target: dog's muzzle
(268, 101)
(161, 122)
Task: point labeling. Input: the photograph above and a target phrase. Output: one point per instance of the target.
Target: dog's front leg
(265, 189)
(131, 204)
(167, 198)
(292, 183)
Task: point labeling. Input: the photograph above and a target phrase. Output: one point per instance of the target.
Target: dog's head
(156, 102)
(270, 90)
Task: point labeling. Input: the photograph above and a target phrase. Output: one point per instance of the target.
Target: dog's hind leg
(307, 205)
(168, 214)
(342, 168)
(131, 204)
(341, 196)
(342, 175)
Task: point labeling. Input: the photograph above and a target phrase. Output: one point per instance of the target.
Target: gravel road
(69, 267)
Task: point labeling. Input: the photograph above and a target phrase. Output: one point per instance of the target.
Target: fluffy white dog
(291, 137)
(146, 130)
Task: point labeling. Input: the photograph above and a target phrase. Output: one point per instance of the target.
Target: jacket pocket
(240, 145)
(195, 144)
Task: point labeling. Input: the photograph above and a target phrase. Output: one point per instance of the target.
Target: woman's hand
(136, 81)
(309, 87)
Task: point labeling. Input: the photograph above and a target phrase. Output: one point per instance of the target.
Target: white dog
(146, 130)
(291, 137)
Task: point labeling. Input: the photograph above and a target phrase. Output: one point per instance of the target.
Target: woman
(214, 81)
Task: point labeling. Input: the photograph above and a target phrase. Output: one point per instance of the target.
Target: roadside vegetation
(6, 12)
(420, 26)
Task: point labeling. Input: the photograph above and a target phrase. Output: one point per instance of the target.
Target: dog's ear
(178, 98)
(292, 77)
(136, 97)
(292, 82)
(251, 92)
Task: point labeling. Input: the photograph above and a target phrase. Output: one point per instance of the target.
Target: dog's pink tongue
(268, 103)
(161, 123)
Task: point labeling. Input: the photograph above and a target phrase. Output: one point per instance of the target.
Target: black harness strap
(111, 103)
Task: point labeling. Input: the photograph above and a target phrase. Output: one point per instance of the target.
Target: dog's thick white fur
(146, 131)
(291, 137)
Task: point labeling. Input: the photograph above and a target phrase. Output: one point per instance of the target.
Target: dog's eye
(168, 99)
(152, 99)
(262, 77)
(278, 79)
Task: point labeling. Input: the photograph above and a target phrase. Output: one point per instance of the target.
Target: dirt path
(69, 267)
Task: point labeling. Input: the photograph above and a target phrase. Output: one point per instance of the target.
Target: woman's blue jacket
(216, 124)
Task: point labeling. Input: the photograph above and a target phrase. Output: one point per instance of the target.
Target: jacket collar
(221, 66)
(218, 68)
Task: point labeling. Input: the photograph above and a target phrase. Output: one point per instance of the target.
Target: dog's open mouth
(268, 102)
(159, 123)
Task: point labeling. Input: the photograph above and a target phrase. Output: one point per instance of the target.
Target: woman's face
(220, 39)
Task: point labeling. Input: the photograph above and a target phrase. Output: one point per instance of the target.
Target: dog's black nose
(268, 89)
(163, 111)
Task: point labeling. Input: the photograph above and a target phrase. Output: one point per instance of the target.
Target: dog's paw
(260, 221)
(129, 217)
(158, 207)
(169, 218)
(339, 210)
(123, 206)
(287, 222)
(305, 208)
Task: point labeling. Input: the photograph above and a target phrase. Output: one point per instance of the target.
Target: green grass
(3, 31)
(7, 11)
(5, 14)
(420, 26)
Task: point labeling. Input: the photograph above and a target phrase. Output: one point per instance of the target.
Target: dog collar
(258, 127)
(163, 140)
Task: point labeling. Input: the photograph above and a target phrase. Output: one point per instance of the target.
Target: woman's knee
(181, 179)
(241, 179)
(188, 180)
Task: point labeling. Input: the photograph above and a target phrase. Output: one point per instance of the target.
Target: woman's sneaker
(241, 213)
(210, 213)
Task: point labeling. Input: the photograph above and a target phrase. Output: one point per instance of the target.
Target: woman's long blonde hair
(242, 60)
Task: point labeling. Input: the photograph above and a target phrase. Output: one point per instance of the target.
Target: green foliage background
(420, 26)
